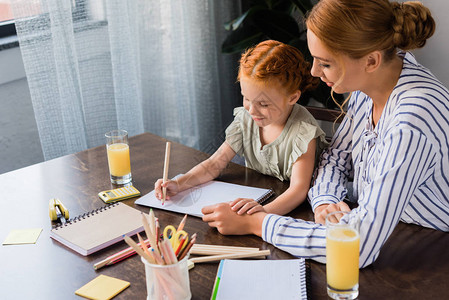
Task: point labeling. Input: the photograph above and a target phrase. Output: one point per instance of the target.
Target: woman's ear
(373, 61)
(294, 97)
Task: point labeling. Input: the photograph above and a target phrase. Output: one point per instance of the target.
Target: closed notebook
(99, 228)
(192, 200)
(241, 279)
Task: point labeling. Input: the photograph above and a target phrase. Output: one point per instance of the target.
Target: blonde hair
(358, 27)
(273, 62)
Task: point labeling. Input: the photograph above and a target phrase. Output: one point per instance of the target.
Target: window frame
(7, 28)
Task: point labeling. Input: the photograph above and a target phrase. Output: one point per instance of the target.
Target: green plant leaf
(274, 19)
(276, 25)
(241, 39)
(303, 5)
(282, 6)
(301, 44)
(234, 24)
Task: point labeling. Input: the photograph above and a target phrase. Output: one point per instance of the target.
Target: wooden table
(414, 263)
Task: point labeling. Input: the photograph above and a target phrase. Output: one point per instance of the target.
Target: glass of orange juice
(342, 255)
(118, 156)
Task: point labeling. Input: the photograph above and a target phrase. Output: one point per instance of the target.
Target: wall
(19, 139)
(434, 55)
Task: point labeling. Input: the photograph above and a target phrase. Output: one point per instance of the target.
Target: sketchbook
(192, 200)
(99, 228)
(240, 279)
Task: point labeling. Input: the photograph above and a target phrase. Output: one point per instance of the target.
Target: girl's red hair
(273, 62)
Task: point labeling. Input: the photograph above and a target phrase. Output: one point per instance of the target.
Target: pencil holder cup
(168, 281)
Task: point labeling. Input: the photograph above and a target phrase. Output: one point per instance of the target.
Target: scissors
(175, 237)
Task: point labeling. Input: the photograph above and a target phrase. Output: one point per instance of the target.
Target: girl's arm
(300, 179)
(201, 173)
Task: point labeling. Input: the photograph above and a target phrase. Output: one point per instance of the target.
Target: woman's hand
(246, 205)
(171, 185)
(227, 221)
(323, 210)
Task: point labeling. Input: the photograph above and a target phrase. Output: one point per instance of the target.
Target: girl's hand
(323, 210)
(245, 205)
(171, 185)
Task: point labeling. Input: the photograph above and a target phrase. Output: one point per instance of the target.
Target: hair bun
(413, 25)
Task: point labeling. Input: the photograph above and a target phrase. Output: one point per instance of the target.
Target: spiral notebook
(99, 228)
(191, 201)
(240, 279)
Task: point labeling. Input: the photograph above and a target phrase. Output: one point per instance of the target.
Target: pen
(166, 163)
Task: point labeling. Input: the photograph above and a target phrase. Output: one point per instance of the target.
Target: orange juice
(118, 159)
(342, 255)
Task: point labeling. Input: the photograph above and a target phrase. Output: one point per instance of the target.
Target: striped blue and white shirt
(398, 168)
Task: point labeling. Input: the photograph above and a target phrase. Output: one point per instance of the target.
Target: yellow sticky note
(102, 287)
(22, 236)
(190, 264)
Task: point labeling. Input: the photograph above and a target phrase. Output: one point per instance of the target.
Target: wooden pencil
(149, 231)
(187, 248)
(202, 249)
(165, 175)
(182, 223)
(229, 256)
(139, 251)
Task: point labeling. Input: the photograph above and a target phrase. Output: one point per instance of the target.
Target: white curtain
(139, 65)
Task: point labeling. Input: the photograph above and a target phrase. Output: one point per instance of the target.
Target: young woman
(275, 135)
(393, 140)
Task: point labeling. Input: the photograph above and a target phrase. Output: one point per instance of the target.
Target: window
(7, 27)
(82, 10)
(5, 11)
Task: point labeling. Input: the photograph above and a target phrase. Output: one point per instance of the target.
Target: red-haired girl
(274, 134)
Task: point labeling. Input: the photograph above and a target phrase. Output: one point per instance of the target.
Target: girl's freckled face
(266, 105)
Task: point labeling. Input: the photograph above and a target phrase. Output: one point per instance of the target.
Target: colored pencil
(187, 248)
(182, 223)
(119, 256)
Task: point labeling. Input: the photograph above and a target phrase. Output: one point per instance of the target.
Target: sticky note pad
(102, 287)
(190, 264)
(22, 236)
